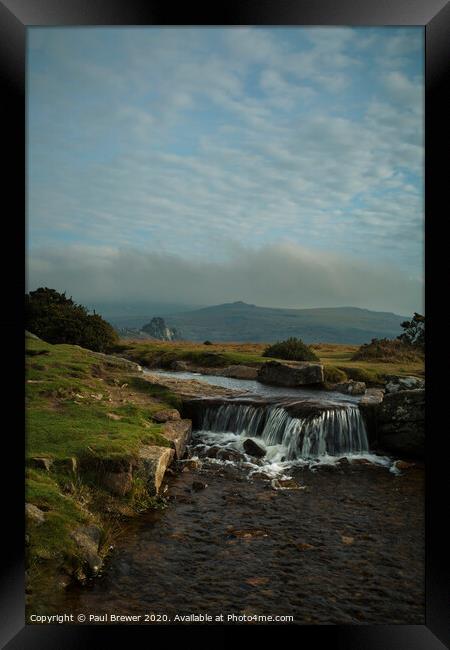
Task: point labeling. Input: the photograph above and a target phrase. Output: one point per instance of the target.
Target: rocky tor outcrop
(401, 422)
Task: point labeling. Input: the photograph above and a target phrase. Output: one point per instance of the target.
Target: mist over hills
(240, 321)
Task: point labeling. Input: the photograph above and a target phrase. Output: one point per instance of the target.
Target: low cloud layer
(282, 275)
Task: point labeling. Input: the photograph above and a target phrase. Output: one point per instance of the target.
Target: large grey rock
(87, 539)
(119, 483)
(115, 474)
(290, 373)
(179, 434)
(166, 415)
(350, 387)
(401, 422)
(40, 462)
(396, 384)
(34, 514)
(179, 366)
(151, 465)
(158, 329)
(252, 448)
(239, 372)
(369, 406)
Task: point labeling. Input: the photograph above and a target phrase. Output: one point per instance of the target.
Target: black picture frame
(15, 17)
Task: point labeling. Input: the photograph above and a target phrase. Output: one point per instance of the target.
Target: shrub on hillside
(57, 319)
(413, 331)
(292, 349)
(388, 351)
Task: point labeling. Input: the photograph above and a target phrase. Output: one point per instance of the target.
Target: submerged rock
(199, 485)
(253, 449)
(291, 373)
(286, 484)
(87, 539)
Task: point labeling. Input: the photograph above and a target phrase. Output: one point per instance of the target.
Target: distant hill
(131, 316)
(239, 321)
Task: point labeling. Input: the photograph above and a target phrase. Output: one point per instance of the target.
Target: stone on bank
(291, 373)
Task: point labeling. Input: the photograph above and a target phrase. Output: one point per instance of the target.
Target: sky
(279, 166)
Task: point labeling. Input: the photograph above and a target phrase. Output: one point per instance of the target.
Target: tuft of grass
(292, 349)
(333, 375)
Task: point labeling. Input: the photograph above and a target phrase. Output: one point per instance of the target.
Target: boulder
(226, 453)
(199, 485)
(239, 372)
(179, 434)
(369, 406)
(350, 387)
(119, 483)
(166, 415)
(151, 465)
(402, 464)
(286, 484)
(401, 422)
(87, 539)
(290, 373)
(179, 366)
(396, 384)
(65, 465)
(41, 463)
(34, 514)
(252, 448)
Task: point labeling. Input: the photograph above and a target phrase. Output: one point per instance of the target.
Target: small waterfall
(332, 431)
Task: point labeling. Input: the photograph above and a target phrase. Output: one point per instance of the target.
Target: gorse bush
(292, 349)
(388, 351)
(57, 319)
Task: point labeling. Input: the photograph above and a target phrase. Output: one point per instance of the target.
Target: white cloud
(284, 275)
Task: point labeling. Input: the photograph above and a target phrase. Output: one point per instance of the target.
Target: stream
(318, 529)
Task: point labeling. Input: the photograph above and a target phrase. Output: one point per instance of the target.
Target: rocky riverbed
(346, 546)
(249, 525)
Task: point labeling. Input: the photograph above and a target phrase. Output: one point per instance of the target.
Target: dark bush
(57, 319)
(413, 331)
(207, 343)
(292, 349)
(388, 351)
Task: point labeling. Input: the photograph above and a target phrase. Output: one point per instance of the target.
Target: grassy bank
(337, 358)
(82, 410)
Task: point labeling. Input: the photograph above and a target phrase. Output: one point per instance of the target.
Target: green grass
(71, 394)
(337, 359)
(162, 355)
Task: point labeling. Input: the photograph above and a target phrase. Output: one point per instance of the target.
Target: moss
(333, 375)
(367, 375)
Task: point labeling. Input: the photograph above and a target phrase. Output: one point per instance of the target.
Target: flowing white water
(332, 432)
